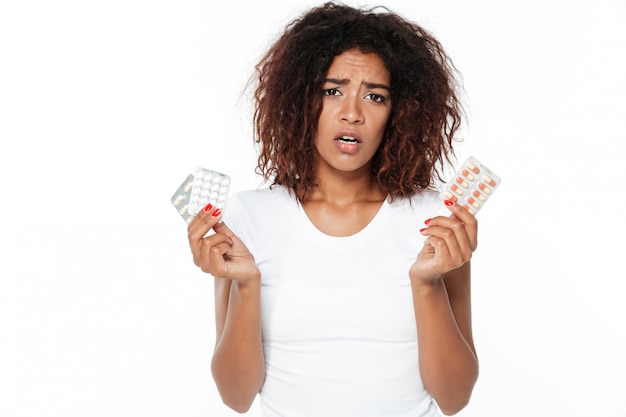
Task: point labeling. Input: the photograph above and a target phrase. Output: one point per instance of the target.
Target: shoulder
(274, 194)
(426, 202)
(252, 212)
(403, 217)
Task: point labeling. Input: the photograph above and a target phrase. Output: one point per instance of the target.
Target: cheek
(382, 124)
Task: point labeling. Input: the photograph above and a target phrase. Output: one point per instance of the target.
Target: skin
(356, 103)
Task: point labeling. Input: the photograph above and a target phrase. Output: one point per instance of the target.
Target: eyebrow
(344, 81)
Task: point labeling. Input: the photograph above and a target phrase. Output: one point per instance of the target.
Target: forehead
(367, 65)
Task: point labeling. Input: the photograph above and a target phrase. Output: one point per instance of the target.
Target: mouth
(348, 143)
(348, 139)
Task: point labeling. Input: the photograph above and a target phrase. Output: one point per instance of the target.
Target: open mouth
(347, 139)
(348, 144)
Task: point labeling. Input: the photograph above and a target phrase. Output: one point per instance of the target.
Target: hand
(450, 244)
(221, 254)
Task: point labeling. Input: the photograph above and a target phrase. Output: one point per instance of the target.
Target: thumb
(223, 229)
(237, 246)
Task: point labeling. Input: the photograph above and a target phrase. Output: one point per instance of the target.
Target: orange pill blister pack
(472, 185)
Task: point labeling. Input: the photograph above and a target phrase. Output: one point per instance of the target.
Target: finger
(238, 248)
(439, 246)
(203, 222)
(446, 241)
(214, 261)
(222, 228)
(200, 249)
(198, 229)
(204, 256)
(216, 239)
(454, 231)
(467, 219)
(434, 260)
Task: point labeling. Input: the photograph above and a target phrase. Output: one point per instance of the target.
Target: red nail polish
(208, 207)
(421, 230)
(449, 203)
(427, 221)
(216, 213)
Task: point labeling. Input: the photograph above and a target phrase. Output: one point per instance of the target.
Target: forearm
(448, 363)
(238, 364)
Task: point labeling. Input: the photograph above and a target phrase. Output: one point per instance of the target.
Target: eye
(377, 98)
(331, 92)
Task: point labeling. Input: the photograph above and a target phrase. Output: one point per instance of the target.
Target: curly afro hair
(425, 116)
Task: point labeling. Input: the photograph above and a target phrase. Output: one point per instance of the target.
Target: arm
(440, 280)
(238, 364)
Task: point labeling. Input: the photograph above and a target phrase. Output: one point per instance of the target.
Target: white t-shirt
(339, 333)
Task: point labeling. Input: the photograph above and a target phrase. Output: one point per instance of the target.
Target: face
(355, 108)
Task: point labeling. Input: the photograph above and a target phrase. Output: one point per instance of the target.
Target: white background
(106, 105)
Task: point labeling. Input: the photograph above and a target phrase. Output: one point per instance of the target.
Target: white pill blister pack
(202, 187)
(472, 185)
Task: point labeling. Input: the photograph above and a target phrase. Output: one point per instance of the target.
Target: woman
(326, 281)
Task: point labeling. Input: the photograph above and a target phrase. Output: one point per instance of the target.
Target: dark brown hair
(425, 110)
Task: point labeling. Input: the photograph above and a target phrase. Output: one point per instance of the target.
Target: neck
(343, 188)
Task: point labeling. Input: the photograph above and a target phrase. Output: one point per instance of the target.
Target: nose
(351, 111)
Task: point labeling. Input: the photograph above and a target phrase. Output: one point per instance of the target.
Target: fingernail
(216, 213)
(208, 207)
(427, 221)
(449, 203)
(421, 230)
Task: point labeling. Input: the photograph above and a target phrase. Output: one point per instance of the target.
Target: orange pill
(468, 175)
(473, 168)
(456, 189)
(466, 207)
(485, 189)
(451, 196)
(478, 195)
(489, 181)
(462, 182)
(473, 202)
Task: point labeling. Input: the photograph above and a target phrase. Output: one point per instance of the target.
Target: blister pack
(472, 185)
(202, 187)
